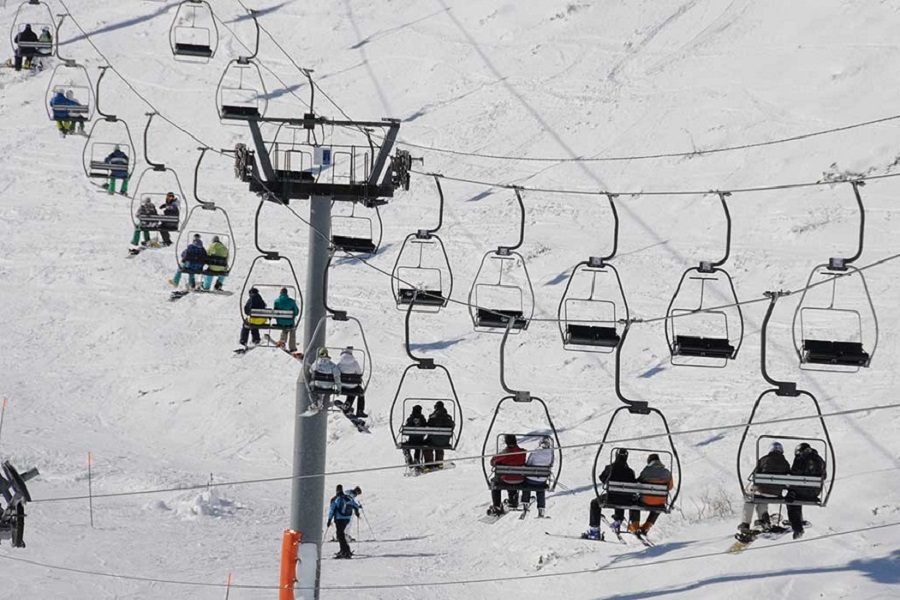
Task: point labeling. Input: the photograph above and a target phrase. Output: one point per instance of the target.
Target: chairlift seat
(689, 345)
(498, 318)
(158, 222)
(524, 471)
(100, 168)
(353, 244)
(271, 313)
(199, 50)
(786, 484)
(69, 108)
(446, 432)
(407, 296)
(288, 175)
(592, 335)
(825, 352)
(239, 112)
(636, 490)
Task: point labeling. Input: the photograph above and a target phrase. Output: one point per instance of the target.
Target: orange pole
(290, 542)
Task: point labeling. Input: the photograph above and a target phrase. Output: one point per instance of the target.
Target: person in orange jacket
(657, 473)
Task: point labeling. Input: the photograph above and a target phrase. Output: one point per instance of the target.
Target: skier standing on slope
(807, 463)
(342, 509)
(658, 474)
(542, 456)
(618, 471)
(773, 463)
(510, 456)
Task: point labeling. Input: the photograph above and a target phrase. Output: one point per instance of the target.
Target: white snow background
(95, 359)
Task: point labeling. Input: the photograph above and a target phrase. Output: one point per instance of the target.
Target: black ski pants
(247, 332)
(340, 526)
(618, 514)
(512, 496)
(795, 516)
(360, 406)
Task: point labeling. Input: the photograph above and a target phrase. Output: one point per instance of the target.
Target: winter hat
(339, 489)
(283, 290)
(417, 409)
(801, 448)
(652, 457)
(776, 447)
(622, 453)
(347, 350)
(357, 490)
(438, 404)
(510, 440)
(70, 94)
(323, 352)
(254, 291)
(197, 236)
(216, 238)
(546, 442)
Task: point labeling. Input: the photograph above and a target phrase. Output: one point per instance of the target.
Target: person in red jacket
(511, 456)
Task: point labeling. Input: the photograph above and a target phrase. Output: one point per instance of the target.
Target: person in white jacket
(542, 456)
(351, 386)
(326, 377)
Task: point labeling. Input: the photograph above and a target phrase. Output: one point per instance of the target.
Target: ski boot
(592, 534)
(616, 526)
(541, 513)
(496, 511)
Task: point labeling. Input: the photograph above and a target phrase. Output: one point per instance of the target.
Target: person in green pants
(118, 169)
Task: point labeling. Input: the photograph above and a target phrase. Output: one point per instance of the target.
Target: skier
(349, 366)
(146, 209)
(192, 259)
(118, 169)
(510, 456)
(217, 262)
(289, 332)
(773, 463)
(25, 41)
(252, 324)
(342, 509)
(415, 419)
(326, 378)
(45, 43)
(656, 473)
(542, 456)
(65, 122)
(618, 471)
(434, 455)
(808, 463)
(170, 208)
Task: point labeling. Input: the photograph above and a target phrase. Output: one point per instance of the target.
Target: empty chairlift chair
(357, 233)
(241, 93)
(193, 35)
(422, 276)
(705, 324)
(835, 327)
(592, 307)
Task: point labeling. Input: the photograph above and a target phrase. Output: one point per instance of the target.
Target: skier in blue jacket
(342, 509)
(192, 259)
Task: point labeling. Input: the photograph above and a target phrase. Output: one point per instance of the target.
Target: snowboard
(416, 471)
(742, 540)
(358, 422)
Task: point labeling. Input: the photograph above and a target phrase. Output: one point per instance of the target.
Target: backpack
(344, 506)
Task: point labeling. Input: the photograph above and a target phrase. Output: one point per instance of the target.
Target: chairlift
(701, 332)
(292, 156)
(70, 94)
(241, 93)
(634, 495)
(426, 374)
(193, 35)
(593, 302)
(15, 495)
(155, 183)
(108, 135)
(786, 489)
(837, 330)
(422, 275)
(350, 335)
(493, 474)
(209, 221)
(502, 292)
(269, 318)
(355, 233)
(39, 16)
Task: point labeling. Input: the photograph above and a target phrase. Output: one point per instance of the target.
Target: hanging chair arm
(712, 265)
(505, 250)
(337, 315)
(437, 182)
(841, 263)
(100, 112)
(203, 203)
(634, 406)
(615, 214)
(156, 166)
(62, 17)
(421, 363)
(519, 396)
(783, 388)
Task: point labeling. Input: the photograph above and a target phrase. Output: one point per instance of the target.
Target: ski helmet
(802, 447)
(776, 447)
(323, 352)
(545, 442)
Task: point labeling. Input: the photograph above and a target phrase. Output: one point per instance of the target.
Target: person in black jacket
(619, 471)
(439, 418)
(807, 463)
(254, 301)
(170, 208)
(26, 41)
(773, 463)
(415, 419)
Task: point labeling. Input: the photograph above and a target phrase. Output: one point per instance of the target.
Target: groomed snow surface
(95, 359)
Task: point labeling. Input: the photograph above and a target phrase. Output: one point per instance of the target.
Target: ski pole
(369, 525)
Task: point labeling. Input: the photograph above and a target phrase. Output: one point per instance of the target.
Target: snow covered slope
(95, 359)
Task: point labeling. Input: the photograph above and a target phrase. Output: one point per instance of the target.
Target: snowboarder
(510, 456)
(773, 463)
(170, 208)
(217, 255)
(808, 463)
(542, 456)
(26, 41)
(415, 419)
(146, 209)
(288, 332)
(656, 473)
(252, 324)
(118, 169)
(434, 455)
(342, 509)
(326, 378)
(192, 259)
(348, 365)
(618, 471)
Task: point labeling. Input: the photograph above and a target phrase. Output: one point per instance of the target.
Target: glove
(329, 524)
(357, 514)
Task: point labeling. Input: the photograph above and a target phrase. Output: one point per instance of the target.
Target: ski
(618, 535)
(525, 510)
(243, 350)
(643, 538)
(280, 346)
(576, 537)
(417, 470)
(178, 294)
(492, 518)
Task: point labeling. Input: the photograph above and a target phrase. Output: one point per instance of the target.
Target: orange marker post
(290, 542)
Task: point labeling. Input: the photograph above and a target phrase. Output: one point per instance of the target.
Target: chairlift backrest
(193, 35)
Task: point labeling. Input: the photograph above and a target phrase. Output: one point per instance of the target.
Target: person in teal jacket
(289, 331)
